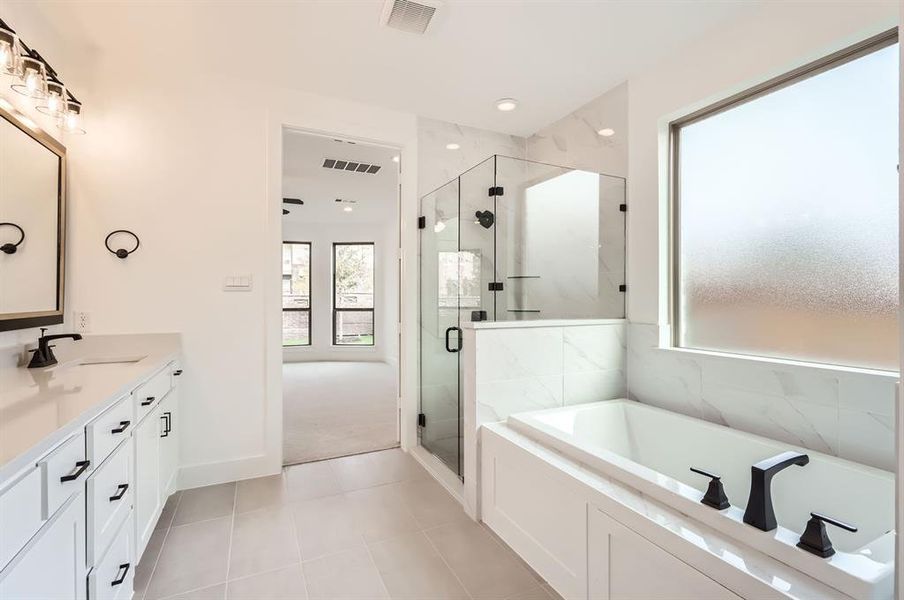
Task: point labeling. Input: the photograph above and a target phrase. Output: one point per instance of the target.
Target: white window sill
(781, 362)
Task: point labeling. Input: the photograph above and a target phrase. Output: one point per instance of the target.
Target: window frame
(310, 246)
(372, 310)
(806, 71)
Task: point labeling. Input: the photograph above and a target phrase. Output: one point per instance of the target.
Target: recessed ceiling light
(395, 158)
(506, 104)
(452, 146)
(347, 209)
(606, 132)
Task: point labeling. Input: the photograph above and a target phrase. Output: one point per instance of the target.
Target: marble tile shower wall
(530, 368)
(849, 415)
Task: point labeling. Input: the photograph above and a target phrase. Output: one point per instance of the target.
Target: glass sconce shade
(33, 77)
(55, 101)
(71, 121)
(9, 52)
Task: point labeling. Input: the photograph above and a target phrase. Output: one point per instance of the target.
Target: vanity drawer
(63, 472)
(111, 578)
(20, 514)
(109, 501)
(106, 432)
(152, 391)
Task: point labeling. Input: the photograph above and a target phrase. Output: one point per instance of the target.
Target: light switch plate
(237, 283)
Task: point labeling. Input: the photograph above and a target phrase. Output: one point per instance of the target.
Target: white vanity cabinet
(52, 565)
(75, 519)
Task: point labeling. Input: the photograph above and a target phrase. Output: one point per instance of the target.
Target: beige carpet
(335, 409)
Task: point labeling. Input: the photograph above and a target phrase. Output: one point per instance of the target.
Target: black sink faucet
(759, 512)
(43, 354)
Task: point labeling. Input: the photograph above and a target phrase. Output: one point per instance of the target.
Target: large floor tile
(326, 526)
(486, 569)
(214, 592)
(413, 570)
(311, 480)
(169, 511)
(363, 471)
(346, 576)
(201, 504)
(429, 503)
(193, 556)
(283, 584)
(380, 514)
(145, 568)
(262, 540)
(537, 593)
(262, 492)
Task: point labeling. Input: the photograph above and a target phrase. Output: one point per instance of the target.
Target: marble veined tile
(867, 438)
(867, 393)
(593, 386)
(594, 348)
(496, 400)
(518, 353)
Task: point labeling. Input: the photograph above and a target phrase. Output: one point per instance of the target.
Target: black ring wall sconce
(9, 247)
(121, 252)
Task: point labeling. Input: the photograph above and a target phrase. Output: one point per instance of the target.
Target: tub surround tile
(518, 353)
(591, 386)
(516, 395)
(593, 348)
(838, 412)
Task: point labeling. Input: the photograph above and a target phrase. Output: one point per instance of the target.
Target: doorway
(340, 297)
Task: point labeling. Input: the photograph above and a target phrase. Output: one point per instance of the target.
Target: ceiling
(553, 56)
(373, 197)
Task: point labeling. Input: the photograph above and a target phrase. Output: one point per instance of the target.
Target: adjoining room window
(785, 216)
(459, 279)
(353, 294)
(296, 293)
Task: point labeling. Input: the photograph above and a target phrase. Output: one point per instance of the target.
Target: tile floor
(365, 527)
(338, 408)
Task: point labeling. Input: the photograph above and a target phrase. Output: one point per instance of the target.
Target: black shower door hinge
(623, 288)
(496, 190)
(623, 207)
(421, 222)
(496, 286)
(422, 420)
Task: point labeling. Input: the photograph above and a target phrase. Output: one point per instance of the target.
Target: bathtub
(652, 450)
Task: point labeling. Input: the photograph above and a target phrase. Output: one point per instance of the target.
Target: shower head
(485, 218)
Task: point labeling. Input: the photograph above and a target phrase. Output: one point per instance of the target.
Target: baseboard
(199, 475)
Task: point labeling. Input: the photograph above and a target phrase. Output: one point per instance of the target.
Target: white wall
(846, 413)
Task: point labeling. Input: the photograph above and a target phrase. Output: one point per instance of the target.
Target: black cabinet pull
(169, 421)
(177, 372)
(122, 487)
(148, 401)
(166, 424)
(80, 467)
(123, 425)
(123, 571)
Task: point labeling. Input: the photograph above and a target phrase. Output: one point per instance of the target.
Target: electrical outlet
(82, 322)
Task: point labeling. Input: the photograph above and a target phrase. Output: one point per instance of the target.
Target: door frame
(388, 129)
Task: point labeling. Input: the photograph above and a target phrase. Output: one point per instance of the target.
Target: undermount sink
(110, 360)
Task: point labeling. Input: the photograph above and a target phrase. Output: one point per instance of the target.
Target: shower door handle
(457, 347)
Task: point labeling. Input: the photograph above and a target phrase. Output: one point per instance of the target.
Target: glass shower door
(440, 331)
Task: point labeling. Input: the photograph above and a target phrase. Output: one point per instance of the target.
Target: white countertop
(538, 323)
(41, 407)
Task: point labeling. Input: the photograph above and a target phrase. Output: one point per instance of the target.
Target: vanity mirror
(32, 208)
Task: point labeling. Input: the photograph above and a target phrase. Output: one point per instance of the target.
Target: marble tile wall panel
(837, 412)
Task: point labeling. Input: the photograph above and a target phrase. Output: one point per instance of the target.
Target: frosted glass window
(787, 220)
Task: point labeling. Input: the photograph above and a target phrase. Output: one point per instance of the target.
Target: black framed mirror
(33, 230)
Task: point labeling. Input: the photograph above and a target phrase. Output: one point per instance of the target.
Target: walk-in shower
(510, 239)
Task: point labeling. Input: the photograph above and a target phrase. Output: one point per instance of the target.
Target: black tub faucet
(43, 354)
(759, 512)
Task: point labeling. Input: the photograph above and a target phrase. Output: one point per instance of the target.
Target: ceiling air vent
(408, 15)
(351, 166)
